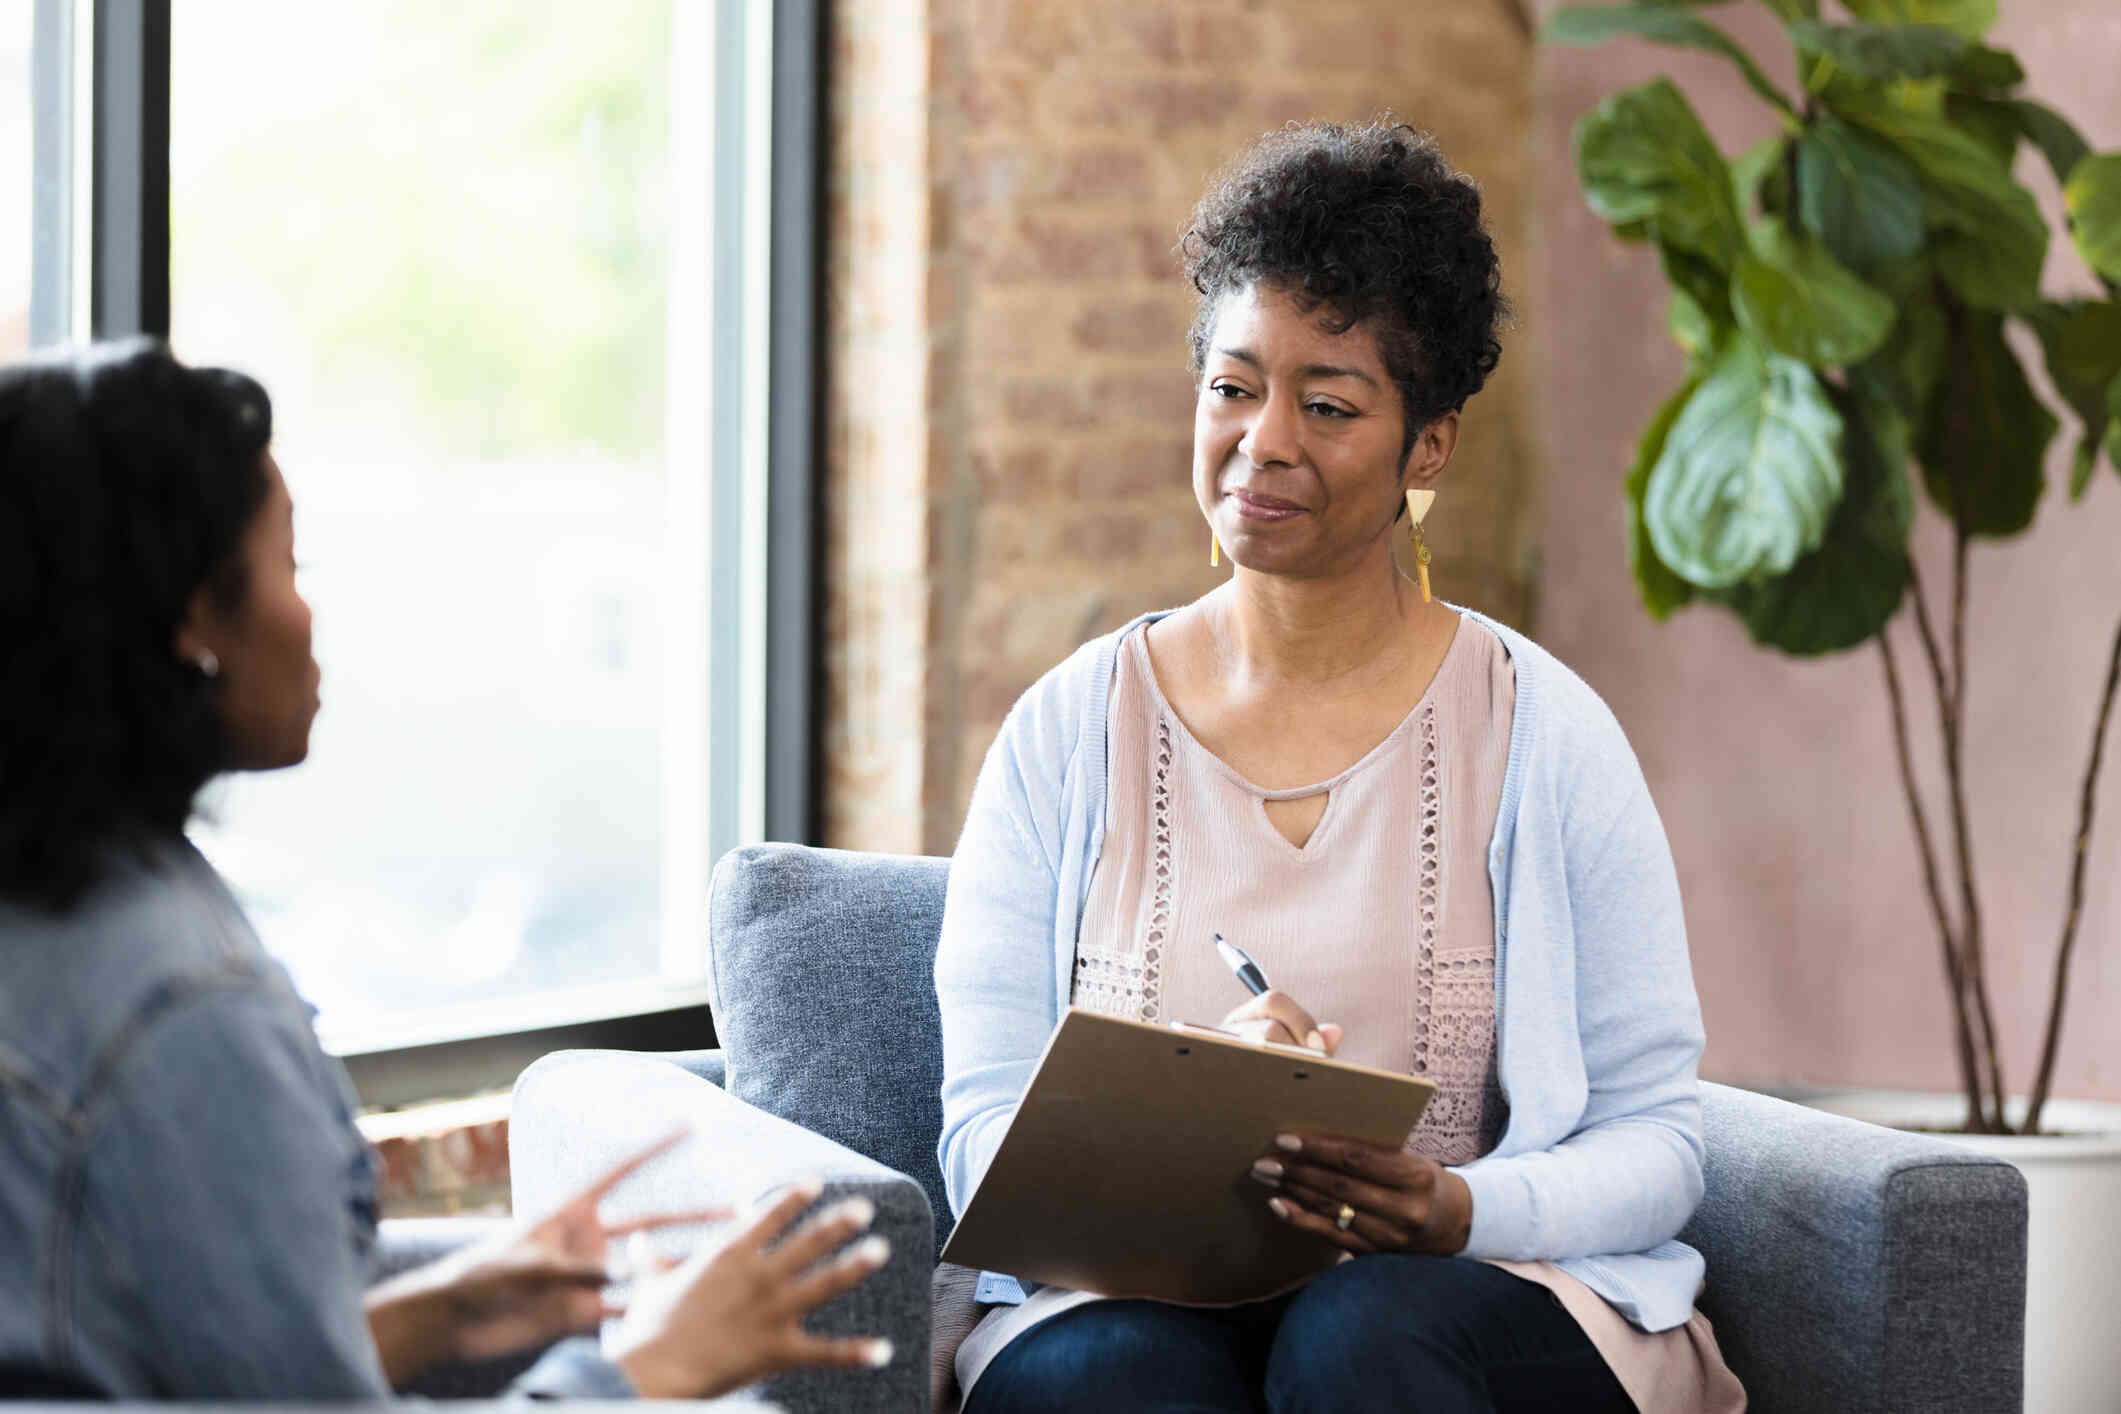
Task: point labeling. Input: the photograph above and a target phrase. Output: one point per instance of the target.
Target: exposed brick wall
(1009, 411)
(443, 1159)
(877, 340)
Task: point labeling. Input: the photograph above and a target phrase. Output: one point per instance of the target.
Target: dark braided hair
(127, 482)
(1371, 224)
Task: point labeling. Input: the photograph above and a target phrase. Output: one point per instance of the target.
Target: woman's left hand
(1366, 1197)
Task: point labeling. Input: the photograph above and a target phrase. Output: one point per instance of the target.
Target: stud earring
(1215, 551)
(1418, 503)
(208, 665)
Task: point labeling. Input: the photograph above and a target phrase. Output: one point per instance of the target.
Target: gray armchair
(1851, 1269)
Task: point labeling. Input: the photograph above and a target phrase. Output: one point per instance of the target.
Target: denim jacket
(186, 1207)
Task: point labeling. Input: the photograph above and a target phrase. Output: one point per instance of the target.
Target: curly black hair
(127, 481)
(1372, 224)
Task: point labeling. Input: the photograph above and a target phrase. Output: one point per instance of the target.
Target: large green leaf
(1905, 372)
(1972, 18)
(1750, 472)
(1700, 281)
(2082, 342)
(1595, 24)
(1992, 240)
(1846, 590)
(1969, 265)
(1662, 591)
(1859, 195)
(2059, 142)
(1987, 71)
(1753, 167)
(1883, 51)
(1984, 441)
(1794, 297)
(1991, 123)
(1689, 325)
(2093, 196)
(1642, 155)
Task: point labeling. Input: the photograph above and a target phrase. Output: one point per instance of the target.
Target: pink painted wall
(1813, 946)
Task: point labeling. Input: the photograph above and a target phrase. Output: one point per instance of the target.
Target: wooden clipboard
(1125, 1169)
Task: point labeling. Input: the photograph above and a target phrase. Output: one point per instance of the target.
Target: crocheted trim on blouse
(1116, 981)
(1152, 1005)
(1454, 997)
(1108, 982)
(1428, 887)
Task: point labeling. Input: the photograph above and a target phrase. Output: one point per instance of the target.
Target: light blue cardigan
(1598, 1028)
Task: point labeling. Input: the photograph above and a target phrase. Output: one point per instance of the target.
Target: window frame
(758, 356)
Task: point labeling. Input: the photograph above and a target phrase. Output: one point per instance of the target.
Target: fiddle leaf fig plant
(1845, 293)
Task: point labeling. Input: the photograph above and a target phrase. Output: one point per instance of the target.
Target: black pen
(1246, 969)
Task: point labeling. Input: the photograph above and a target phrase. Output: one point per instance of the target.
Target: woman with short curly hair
(1429, 833)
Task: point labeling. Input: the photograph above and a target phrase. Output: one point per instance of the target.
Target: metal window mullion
(129, 217)
(727, 462)
(794, 358)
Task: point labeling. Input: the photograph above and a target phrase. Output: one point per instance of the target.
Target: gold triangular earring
(1215, 551)
(1418, 503)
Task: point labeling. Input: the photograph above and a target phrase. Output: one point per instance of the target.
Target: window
(520, 278)
(38, 87)
(18, 173)
(472, 252)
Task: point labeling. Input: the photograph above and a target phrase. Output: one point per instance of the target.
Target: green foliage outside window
(465, 213)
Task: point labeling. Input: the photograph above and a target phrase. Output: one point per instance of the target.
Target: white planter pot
(2073, 1235)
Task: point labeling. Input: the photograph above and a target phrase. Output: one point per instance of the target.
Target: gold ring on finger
(1345, 1219)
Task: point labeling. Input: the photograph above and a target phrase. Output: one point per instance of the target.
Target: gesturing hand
(728, 1315)
(1366, 1197)
(524, 1288)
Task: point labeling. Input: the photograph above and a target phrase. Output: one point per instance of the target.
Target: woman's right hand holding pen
(1271, 1015)
(1275, 1016)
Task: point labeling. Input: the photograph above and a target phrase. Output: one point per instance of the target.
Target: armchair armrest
(576, 1113)
(712, 1066)
(1853, 1268)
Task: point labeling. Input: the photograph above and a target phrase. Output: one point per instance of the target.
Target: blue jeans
(1430, 1335)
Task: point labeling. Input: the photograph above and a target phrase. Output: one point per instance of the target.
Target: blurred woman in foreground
(186, 1208)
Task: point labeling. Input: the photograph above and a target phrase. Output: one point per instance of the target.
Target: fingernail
(859, 1211)
(880, 1352)
(1289, 1142)
(1266, 1170)
(640, 1255)
(872, 1251)
(811, 1189)
(1279, 1208)
(1316, 1040)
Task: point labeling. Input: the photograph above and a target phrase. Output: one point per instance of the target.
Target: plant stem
(1969, 1072)
(1946, 706)
(2085, 805)
(1962, 834)
(1981, 1101)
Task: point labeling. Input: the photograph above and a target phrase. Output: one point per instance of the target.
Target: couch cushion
(822, 966)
